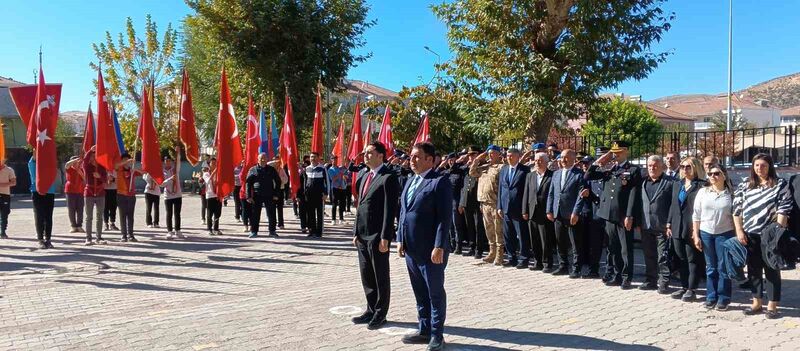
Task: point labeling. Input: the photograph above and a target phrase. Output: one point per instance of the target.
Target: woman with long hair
(679, 227)
(761, 199)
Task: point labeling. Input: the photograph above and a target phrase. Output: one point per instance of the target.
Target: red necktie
(366, 184)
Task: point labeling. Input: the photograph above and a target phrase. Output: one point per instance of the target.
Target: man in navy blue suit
(426, 209)
(510, 195)
(564, 208)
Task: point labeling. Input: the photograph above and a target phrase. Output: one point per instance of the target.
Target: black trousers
(458, 229)
(237, 202)
(152, 209)
(260, 202)
(688, 262)
(214, 211)
(301, 212)
(245, 215)
(278, 208)
(5, 210)
(203, 207)
(348, 197)
(374, 268)
(755, 266)
(546, 234)
(655, 246)
(314, 206)
(620, 247)
(173, 213)
(43, 215)
(339, 202)
(564, 234)
(476, 233)
(594, 235)
(110, 211)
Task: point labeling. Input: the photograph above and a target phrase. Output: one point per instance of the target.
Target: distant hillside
(782, 92)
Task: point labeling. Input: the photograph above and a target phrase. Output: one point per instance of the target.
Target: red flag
(356, 142)
(226, 141)
(24, 98)
(316, 136)
(252, 141)
(385, 135)
(151, 150)
(107, 150)
(338, 147)
(187, 130)
(43, 126)
(423, 133)
(288, 147)
(367, 135)
(88, 132)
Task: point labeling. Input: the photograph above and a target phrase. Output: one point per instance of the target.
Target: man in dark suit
(262, 187)
(425, 218)
(594, 233)
(618, 208)
(656, 200)
(509, 205)
(537, 187)
(469, 206)
(378, 189)
(564, 208)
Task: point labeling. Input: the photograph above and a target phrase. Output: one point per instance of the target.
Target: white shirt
(211, 187)
(170, 178)
(6, 175)
(713, 210)
(151, 187)
(539, 178)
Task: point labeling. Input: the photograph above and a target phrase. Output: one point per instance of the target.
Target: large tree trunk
(538, 128)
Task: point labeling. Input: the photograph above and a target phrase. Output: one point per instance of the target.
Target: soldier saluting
(618, 207)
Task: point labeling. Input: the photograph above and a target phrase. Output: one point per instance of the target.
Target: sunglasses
(686, 166)
(714, 174)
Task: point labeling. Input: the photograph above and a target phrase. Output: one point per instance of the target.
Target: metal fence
(738, 145)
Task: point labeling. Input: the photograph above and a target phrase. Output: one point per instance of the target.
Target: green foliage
(542, 62)
(267, 43)
(626, 120)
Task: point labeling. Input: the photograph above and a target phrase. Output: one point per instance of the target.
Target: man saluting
(426, 208)
(378, 188)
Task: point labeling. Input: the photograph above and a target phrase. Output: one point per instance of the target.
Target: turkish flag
(187, 130)
(226, 140)
(423, 133)
(88, 132)
(24, 98)
(151, 149)
(356, 141)
(107, 150)
(288, 147)
(252, 142)
(368, 135)
(385, 135)
(338, 147)
(316, 136)
(43, 126)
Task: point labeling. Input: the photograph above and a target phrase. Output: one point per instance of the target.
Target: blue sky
(765, 43)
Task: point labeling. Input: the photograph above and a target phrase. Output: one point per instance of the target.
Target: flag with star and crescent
(226, 141)
(252, 141)
(385, 135)
(288, 148)
(187, 129)
(43, 126)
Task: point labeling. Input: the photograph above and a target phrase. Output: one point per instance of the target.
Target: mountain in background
(782, 92)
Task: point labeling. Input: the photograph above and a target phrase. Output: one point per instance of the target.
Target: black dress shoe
(471, 252)
(613, 282)
(751, 312)
(375, 324)
(537, 267)
(561, 271)
(574, 275)
(591, 275)
(548, 269)
(510, 264)
(416, 338)
(522, 265)
(626, 285)
(363, 319)
(607, 278)
(478, 255)
(436, 344)
(648, 286)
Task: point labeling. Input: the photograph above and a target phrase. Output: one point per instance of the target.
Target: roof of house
(791, 111)
(704, 105)
(75, 118)
(364, 88)
(8, 82)
(7, 108)
(662, 112)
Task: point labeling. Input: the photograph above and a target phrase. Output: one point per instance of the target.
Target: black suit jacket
(377, 207)
(655, 210)
(621, 187)
(535, 197)
(680, 216)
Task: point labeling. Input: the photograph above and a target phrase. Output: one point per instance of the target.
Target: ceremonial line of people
(554, 212)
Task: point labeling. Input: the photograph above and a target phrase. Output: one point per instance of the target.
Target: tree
(131, 62)
(543, 62)
(267, 43)
(626, 120)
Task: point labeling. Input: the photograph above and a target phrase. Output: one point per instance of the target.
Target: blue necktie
(510, 175)
(412, 188)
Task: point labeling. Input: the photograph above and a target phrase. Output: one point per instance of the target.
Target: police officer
(618, 208)
(262, 187)
(469, 206)
(596, 237)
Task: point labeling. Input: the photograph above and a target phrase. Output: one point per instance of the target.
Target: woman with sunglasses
(759, 200)
(679, 227)
(713, 225)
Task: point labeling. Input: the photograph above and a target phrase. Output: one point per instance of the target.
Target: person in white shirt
(712, 226)
(7, 180)
(214, 209)
(173, 194)
(152, 194)
(110, 211)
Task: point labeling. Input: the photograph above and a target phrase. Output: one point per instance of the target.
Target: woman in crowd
(213, 203)
(760, 200)
(94, 196)
(73, 190)
(152, 196)
(126, 195)
(713, 225)
(202, 192)
(110, 208)
(173, 194)
(679, 227)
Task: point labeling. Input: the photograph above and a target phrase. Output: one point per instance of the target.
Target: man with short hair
(564, 208)
(425, 218)
(672, 160)
(262, 186)
(316, 192)
(470, 208)
(488, 174)
(656, 200)
(509, 206)
(709, 161)
(541, 231)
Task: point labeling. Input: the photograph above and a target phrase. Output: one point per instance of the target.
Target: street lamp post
(729, 120)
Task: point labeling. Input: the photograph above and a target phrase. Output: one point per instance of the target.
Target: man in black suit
(262, 187)
(471, 208)
(537, 187)
(564, 209)
(509, 205)
(378, 189)
(618, 208)
(425, 217)
(656, 200)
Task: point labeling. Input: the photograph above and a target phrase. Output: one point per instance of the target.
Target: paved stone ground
(293, 293)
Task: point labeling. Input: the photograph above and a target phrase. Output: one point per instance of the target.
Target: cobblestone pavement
(294, 293)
